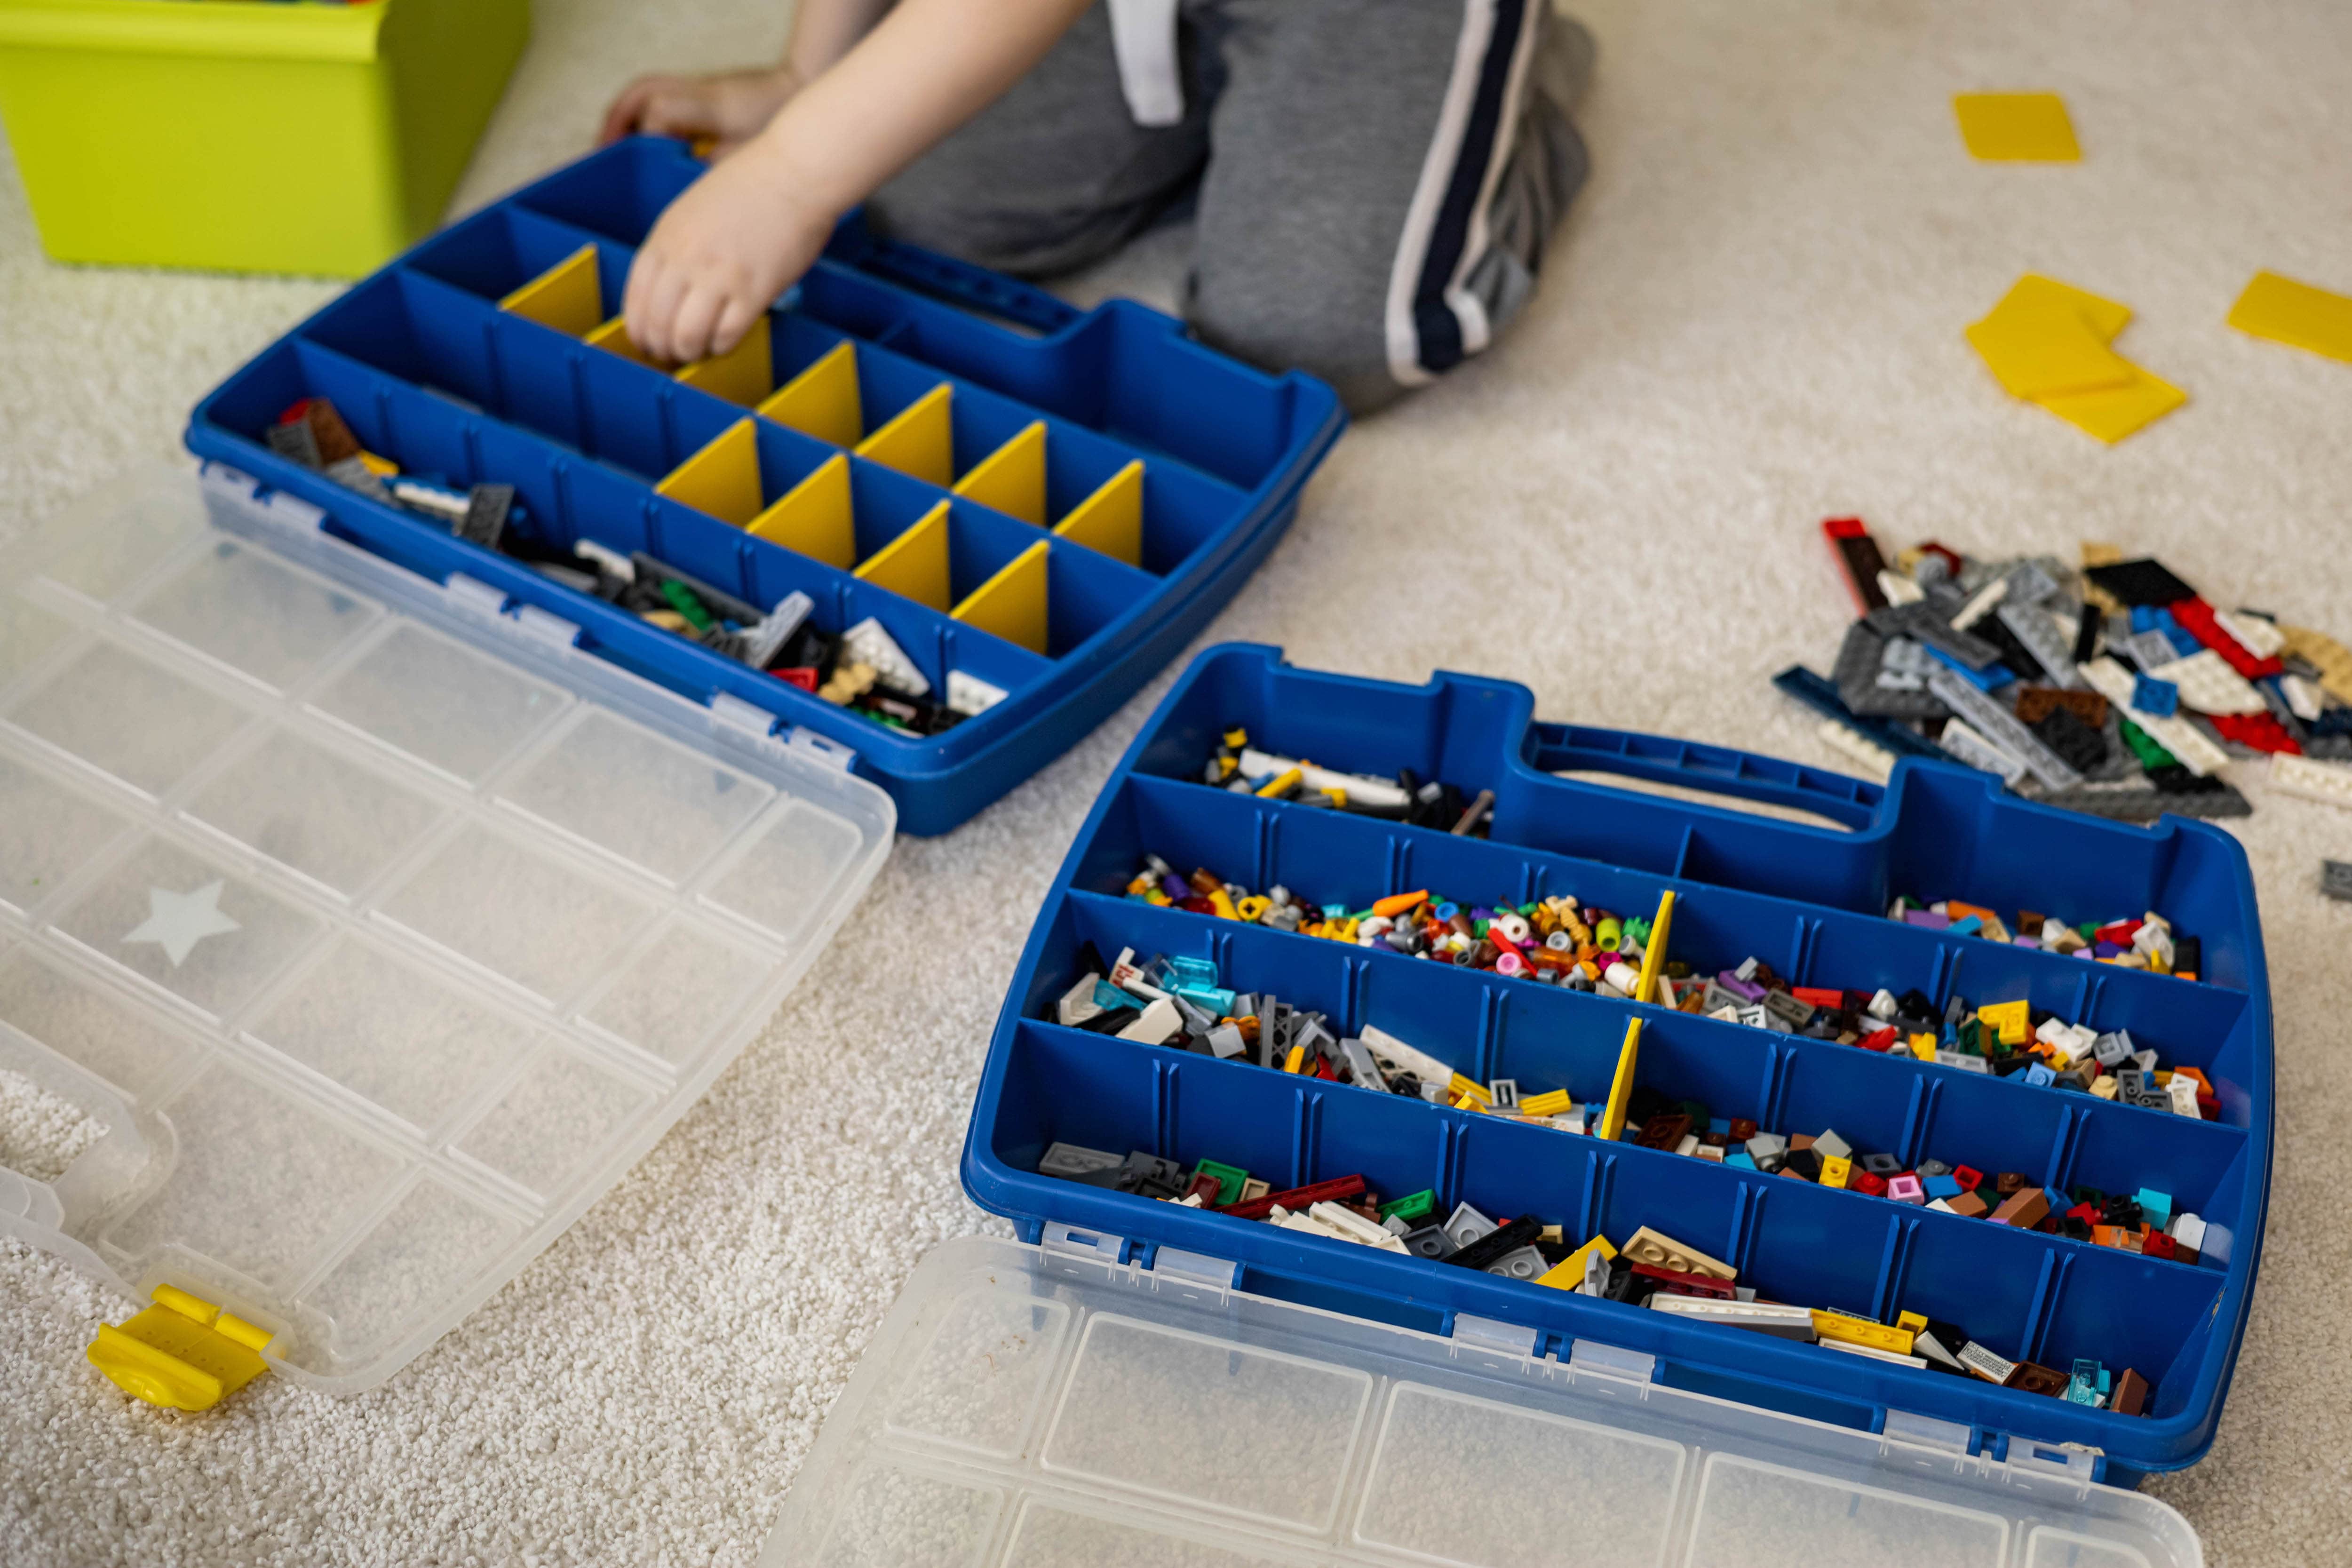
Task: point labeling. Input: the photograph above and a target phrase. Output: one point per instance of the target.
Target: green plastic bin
(302, 138)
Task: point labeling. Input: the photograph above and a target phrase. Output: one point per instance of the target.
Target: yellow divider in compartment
(568, 296)
(613, 337)
(742, 375)
(920, 440)
(915, 564)
(1012, 478)
(1110, 520)
(723, 478)
(1012, 605)
(822, 401)
(814, 517)
(1620, 1088)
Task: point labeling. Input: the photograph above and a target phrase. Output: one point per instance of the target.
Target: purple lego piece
(1928, 918)
(1745, 990)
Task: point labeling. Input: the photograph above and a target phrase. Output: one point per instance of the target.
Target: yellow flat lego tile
(1012, 478)
(2016, 127)
(568, 296)
(2104, 317)
(1012, 605)
(815, 517)
(914, 564)
(613, 337)
(723, 478)
(742, 375)
(920, 440)
(2036, 347)
(1111, 520)
(2297, 314)
(823, 400)
(1569, 1272)
(2114, 412)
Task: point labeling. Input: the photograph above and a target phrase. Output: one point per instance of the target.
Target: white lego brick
(1996, 723)
(2208, 685)
(2303, 698)
(1965, 745)
(2185, 741)
(2327, 782)
(868, 643)
(1899, 589)
(2257, 636)
(1876, 762)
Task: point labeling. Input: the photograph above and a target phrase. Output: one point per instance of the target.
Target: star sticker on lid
(177, 921)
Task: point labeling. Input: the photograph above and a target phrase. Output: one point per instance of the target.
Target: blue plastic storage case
(1810, 900)
(431, 374)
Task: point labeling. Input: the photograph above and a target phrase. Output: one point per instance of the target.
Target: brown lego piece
(2034, 703)
(1742, 1129)
(1665, 1132)
(2023, 1209)
(2129, 1392)
(1967, 1204)
(2034, 1379)
(2008, 1183)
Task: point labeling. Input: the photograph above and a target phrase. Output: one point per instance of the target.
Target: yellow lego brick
(1862, 1331)
(2010, 1018)
(1835, 1171)
(1551, 1103)
(1297, 1060)
(1012, 478)
(2297, 314)
(822, 401)
(568, 296)
(1011, 603)
(1110, 520)
(2110, 413)
(2016, 127)
(1911, 1323)
(1924, 1047)
(1478, 1091)
(1569, 1272)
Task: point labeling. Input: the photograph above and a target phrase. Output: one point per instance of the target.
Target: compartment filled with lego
(1242, 718)
(1549, 920)
(1848, 1120)
(1720, 1252)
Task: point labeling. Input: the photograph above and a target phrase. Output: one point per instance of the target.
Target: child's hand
(722, 254)
(730, 108)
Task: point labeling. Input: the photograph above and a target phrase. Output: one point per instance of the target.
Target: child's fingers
(622, 118)
(734, 323)
(652, 309)
(690, 330)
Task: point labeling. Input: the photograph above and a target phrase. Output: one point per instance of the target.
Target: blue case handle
(961, 283)
(1719, 770)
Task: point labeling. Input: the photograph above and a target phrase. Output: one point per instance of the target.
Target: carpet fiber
(1751, 320)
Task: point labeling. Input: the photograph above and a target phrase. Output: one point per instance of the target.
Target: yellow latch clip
(182, 1352)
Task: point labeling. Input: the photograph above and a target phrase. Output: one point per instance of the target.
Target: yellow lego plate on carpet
(2016, 127)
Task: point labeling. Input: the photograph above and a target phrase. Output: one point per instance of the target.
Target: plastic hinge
(824, 748)
(1609, 1361)
(2075, 1459)
(472, 597)
(1926, 1432)
(731, 715)
(1197, 1268)
(289, 513)
(543, 627)
(1487, 1333)
(1076, 1242)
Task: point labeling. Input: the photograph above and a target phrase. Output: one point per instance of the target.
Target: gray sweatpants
(1375, 179)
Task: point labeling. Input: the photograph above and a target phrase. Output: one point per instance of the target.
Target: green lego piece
(1421, 1204)
(2144, 745)
(681, 599)
(1229, 1179)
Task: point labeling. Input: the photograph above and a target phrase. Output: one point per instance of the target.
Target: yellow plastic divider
(1620, 1088)
(723, 478)
(914, 564)
(1012, 605)
(822, 401)
(568, 296)
(1012, 478)
(921, 439)
(1110, 520)
(814, 517)
(742, 375)
(613, 337)
(1653, 951)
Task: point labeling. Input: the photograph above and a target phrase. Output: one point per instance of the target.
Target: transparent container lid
(1051, 1406)
(373, 932)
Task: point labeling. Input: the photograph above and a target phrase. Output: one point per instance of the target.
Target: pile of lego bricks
(1652, 1270)
(2112, 688)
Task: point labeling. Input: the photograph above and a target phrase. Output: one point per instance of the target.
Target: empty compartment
(506, 249)
(620, 193)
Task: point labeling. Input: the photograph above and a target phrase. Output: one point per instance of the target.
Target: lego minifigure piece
(1647, 1246)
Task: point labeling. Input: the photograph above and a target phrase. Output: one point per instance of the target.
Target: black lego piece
(2142, 581)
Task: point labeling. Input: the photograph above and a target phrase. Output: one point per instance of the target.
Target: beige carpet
(1753, 320)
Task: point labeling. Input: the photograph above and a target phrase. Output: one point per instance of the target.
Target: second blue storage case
(431, 373)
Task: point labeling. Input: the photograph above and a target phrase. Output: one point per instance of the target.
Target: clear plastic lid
(366, 933)
(1051, 1406)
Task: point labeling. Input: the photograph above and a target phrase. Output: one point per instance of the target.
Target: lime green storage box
(264, 137)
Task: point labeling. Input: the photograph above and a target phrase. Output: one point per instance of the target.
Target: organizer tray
(1049, 502)
(1809, 898)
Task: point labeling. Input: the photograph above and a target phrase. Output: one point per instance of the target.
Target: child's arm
(747, 229)
(732, 106)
